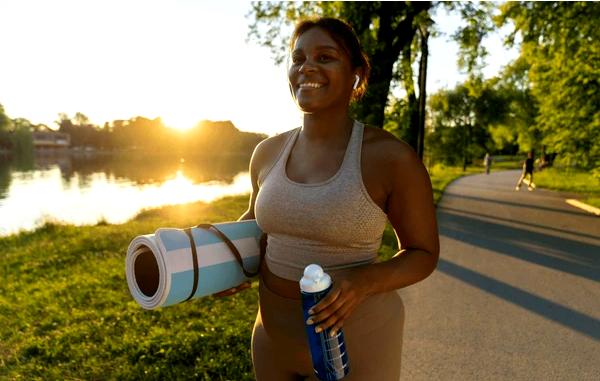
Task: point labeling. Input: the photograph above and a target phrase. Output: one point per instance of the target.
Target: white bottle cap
(314, 279)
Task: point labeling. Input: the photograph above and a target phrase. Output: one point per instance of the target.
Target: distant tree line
(139, 133)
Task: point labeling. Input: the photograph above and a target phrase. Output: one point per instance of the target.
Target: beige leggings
(373, 335)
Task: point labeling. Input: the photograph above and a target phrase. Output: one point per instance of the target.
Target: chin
(310, 106)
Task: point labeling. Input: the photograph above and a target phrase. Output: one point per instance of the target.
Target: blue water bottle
(329, 357)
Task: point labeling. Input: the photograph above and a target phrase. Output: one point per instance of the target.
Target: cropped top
(333, 223)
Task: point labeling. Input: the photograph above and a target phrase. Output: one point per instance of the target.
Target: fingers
(338, 304)
(332, 310)
(326, 301)
(335, 321)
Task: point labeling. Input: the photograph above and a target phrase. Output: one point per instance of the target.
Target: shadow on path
(579, 234)
(519, 205)
(569, 318)
(558, 253)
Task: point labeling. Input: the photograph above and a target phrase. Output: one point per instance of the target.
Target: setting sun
(180, 121)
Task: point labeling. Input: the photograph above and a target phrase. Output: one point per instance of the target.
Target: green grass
(570, 180)
(66, 312)
(507, 162)
(442, 175)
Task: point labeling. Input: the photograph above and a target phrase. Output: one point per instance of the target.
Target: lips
(310, 85)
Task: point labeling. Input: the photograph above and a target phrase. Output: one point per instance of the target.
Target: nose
(308, 66)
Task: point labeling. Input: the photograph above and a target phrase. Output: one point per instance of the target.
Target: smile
(311, 85)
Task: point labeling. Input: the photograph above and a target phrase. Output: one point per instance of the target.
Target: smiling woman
(323, 193)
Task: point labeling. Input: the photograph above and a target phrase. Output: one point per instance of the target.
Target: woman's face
(320, 74)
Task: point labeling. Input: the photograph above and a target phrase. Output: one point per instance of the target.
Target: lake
(85, 189)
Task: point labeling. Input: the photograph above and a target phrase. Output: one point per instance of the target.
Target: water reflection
(85, 189)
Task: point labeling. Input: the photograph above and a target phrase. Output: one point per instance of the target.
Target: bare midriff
(281, 286)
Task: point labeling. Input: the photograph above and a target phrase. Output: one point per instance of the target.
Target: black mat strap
(188, 231)
(238, 257)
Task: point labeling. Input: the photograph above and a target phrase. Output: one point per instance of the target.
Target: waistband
(279, 286)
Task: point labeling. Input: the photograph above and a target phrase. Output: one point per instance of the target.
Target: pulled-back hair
(343, 34)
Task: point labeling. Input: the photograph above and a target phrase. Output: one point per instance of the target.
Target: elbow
(248, 215)
(432, 261)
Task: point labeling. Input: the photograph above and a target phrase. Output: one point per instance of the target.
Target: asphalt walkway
(516, 295)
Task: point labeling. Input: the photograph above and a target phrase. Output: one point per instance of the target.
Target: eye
(296, 59)
(324, 58)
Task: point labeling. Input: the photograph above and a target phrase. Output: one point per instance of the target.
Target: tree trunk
(424, 31)
(392, 37)
(412, 103)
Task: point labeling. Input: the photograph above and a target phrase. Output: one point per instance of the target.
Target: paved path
(516, 295)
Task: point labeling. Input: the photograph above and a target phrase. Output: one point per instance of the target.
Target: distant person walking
(527, 170)
(487, 162)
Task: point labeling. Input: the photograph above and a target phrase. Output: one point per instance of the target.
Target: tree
(462, 119)
(82, 132)
(519, 130)
(4, 127)
(21, 137)
(560, 53)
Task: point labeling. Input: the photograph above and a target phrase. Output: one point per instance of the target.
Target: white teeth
(311, 84)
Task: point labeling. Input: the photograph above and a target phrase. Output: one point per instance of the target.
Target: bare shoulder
(381, 148)
(267, 151)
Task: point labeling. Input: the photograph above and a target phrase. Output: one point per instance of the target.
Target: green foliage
(560, 55)
(477, 18)
(463, 119)
(397, 119)
(4, 126)
(21, 138)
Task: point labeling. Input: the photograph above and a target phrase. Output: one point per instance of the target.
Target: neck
(330, 126)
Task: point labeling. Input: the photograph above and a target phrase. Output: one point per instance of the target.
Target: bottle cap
(314, 279)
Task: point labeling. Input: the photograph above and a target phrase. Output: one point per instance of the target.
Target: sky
(183, 61)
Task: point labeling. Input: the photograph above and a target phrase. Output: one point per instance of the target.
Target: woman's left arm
(411, 212)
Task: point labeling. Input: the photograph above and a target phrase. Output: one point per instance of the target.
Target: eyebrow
(321, 47)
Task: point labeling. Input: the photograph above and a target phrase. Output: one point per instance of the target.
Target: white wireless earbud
(356, 82)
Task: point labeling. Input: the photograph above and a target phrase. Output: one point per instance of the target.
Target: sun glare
(180, 122)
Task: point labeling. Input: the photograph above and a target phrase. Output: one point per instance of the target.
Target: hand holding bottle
(349, 290)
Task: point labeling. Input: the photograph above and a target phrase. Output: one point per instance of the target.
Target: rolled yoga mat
(160, 267)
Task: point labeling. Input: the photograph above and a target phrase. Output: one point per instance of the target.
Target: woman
(323, 193)
(527, 170)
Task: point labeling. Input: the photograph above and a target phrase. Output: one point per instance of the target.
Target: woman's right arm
(263, 158)
(255, 164)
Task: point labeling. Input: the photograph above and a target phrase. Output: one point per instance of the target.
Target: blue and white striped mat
(172, 275)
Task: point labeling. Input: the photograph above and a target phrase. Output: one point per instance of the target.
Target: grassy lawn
(442, 176)
(571, 180)
(66, 312)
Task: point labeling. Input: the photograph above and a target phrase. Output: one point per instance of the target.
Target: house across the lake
(50, 139)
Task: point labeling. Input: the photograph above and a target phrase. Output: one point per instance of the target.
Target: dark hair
(343, 34)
